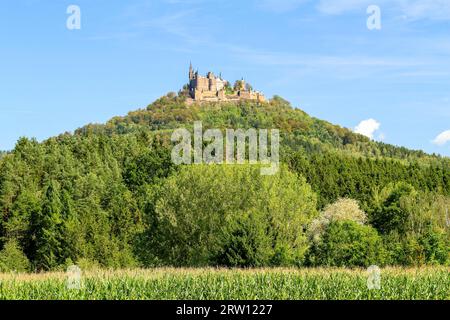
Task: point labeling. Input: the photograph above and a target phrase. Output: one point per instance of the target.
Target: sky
(390, 83)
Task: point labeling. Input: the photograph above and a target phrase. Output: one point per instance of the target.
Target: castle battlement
(212, 88)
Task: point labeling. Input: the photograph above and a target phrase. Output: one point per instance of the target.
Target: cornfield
(222, 284)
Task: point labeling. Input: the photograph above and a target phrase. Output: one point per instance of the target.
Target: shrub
(13, 259)
(403, 250)
(435, 247)
(411, 249)
(87, 264)
(348, 244)
(341, 210)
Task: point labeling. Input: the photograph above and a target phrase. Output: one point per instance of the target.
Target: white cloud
(442, 139)
(367, 127)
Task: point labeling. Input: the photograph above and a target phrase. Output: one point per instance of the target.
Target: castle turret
(191, 72)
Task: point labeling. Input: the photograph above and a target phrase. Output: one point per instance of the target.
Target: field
(155, 284)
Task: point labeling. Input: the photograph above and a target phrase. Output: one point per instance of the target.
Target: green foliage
(334, 175)
(233, 216)
(410, 249)
(348, 244)
(414, 224)
(98, 195)
(238, 85)
(228, 89)
(148, 167)
(341, 210)
(88, 265)
(49, 229)
(66, 199)
(390, 214)
(436, 247)
(13, 259)
(245, 242)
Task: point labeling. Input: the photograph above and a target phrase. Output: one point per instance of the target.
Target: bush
(348, 244)
(341, 210)
(87, 264)
(231, 216)
(13, 259)
(403, 250)
(413, 225)
(435, 247)
(245, 243)
(411, 249)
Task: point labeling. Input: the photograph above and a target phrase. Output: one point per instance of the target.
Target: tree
(435, 246)
(232, 215)
(390, 214)
(49, 229)
(12, 258)
(108, 181)
(145, 168)
(348, 244)
(341, 210)
(238, 85)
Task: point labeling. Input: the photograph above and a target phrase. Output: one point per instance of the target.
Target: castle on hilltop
(212, 88)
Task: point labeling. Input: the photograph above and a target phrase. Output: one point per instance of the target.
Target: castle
(212, 88)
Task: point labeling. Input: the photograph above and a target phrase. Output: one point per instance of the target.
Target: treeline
(335, 175)
(110, 196)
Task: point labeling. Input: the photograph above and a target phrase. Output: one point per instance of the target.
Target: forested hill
(96, 195)
(300, 131)
(329, 154)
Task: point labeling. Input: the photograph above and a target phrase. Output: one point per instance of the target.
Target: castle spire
(191, 71)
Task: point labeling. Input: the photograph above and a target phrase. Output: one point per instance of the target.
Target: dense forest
(109, 195)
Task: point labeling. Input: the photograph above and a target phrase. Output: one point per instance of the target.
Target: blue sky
(318, 54)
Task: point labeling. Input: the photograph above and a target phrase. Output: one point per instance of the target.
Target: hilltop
(300, 131)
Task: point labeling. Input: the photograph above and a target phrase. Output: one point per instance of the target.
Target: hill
(93, 197)
(300, 131)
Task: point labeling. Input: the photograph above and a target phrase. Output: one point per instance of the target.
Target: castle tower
(242, 88)
(191, 72)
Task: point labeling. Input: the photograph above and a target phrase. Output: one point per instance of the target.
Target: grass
(431, 283)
